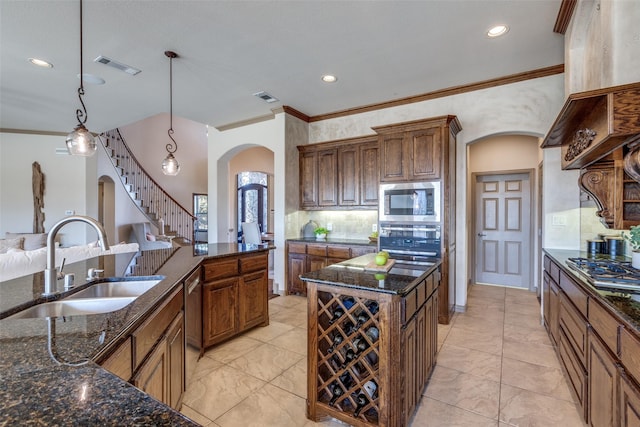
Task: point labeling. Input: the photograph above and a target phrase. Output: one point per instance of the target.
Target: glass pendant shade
(170, 165)
(81, 142)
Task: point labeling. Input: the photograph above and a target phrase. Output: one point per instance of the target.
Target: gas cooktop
(608, 274)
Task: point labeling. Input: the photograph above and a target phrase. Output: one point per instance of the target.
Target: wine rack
(348, 355)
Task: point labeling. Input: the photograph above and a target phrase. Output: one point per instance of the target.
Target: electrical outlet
(69, 212)
(374, 228)
(329, 226)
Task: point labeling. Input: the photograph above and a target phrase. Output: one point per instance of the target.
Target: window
(200, 211)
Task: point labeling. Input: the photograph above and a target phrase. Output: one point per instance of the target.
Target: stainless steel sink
(125, 288)
(74, 307)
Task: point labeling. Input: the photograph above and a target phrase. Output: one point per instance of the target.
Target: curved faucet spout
(50, 275)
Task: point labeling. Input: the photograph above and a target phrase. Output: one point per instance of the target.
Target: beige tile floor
(496, 367)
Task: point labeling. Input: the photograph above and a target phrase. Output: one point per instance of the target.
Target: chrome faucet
(50, 274)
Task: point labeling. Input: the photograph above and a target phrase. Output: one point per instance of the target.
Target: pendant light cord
(81, 115)
(171, 148)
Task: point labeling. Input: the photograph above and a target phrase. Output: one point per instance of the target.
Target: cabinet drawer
(253, 263)
(547, 262)
(422, 291)
(630, 353)
(338, 252)
(297, 248)
(409, 306)
(318, 250)
(220, 268)
(573, 292)
(146, 336)
(119, 362)
(554, 271)
(574, 327)
(575, 371)
(363, 250)
(605, 325)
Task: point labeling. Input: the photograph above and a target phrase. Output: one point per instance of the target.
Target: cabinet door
(425, 154)
(409, 367)
(369, 174)
(253, 299)
(316, 263)
(629, 403)
(297, 266)
(603, 385)
(554, 308)
(392, 154)
(423, 359)
(327, 178)
(220, 314)
(152, 377)
(545, 298)
(349, 176)
(175, 352)
(120, 362)
(308, 179)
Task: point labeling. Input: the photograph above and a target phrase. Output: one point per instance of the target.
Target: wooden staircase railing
(147, 194)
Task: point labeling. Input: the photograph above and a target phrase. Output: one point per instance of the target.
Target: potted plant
(634, 239)
(321, 233)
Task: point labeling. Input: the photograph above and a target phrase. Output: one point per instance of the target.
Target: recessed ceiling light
(497, 31)
(92, 79)
(328, 78)
(40, 63)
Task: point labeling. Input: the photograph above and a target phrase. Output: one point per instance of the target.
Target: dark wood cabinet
(629, 407)
(327, 178)
(152, 357)
(616, 195)
(399, 361)
(604, 380)
(220, 310)
(235, 296)
(341, 174)
(412, 152)
(305, 257)
(598, 351)
(425, 150)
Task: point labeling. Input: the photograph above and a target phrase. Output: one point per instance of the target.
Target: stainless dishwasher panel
(193, 327)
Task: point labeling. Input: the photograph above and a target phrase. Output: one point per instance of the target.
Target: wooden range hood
(593, 124)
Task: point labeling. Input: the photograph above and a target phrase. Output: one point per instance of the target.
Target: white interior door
(503, 229)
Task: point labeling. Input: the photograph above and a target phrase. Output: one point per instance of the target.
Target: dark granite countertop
(336, 241)
(626, 305)
(400, 279)
(41, 388)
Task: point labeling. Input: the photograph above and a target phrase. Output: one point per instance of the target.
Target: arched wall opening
(107, 207)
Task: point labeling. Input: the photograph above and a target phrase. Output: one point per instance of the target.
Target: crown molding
(567, 7)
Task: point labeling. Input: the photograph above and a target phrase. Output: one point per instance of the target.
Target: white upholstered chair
(251, 232)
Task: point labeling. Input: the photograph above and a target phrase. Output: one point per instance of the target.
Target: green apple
(384, 254)
(381, 259)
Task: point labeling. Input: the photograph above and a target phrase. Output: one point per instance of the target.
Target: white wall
(147, 140)
(68, 185)
(527, 107)
(223, 146)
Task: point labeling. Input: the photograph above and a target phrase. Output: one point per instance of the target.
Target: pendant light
(81, 142)
(170, 165)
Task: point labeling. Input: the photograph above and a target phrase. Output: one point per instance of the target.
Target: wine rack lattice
(348, 354)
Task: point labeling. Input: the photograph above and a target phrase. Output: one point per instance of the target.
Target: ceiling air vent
(117, 65)
(266, 97)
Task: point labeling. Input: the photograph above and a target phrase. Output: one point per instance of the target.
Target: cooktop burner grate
(607, 274)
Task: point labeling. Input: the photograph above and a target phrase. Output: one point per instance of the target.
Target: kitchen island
(372, 340)
(50, 368)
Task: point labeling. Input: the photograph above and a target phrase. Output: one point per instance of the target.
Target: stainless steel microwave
(410, 202)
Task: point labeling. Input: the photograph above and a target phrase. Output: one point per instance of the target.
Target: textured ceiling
(380, 51)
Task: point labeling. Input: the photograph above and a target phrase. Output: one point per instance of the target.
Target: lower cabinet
(603, 385)
(234, 296)
(599, 352)
(152, 356)
(629, 403)
(305, 257)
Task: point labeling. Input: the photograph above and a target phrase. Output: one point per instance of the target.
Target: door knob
(481, 235)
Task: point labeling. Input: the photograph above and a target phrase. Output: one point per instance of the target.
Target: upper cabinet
(340, 174)
(592, 124)
(412, 151)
